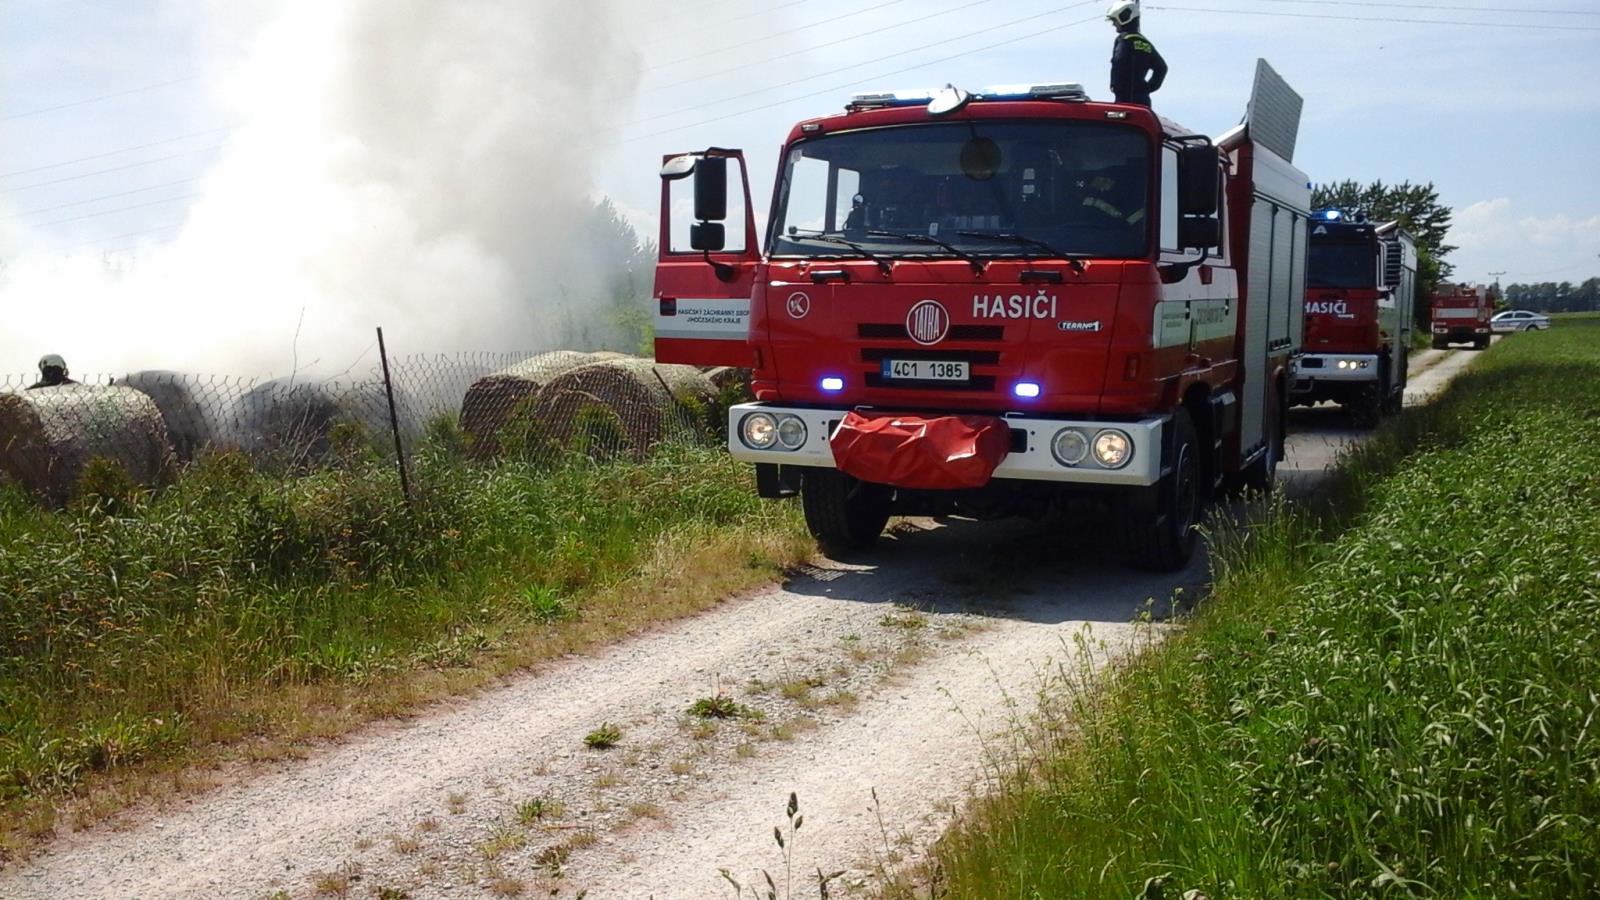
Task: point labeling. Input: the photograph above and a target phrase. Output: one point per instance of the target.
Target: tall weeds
(140, 627)
(1393, 690)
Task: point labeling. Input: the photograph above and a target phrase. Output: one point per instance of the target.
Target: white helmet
(1121, 12)
(52, 361)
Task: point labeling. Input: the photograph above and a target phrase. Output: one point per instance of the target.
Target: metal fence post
(394, 420)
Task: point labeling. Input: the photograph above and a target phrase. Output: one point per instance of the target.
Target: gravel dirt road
(880, 691)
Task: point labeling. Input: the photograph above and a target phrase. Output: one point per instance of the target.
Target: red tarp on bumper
(945, 453)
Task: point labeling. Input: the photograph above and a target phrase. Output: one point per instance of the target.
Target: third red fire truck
(1000, 302)
(1460, 315)
(1361, 283)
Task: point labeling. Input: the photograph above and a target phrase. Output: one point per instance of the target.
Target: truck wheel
(843, 513)
(1162, 536)
(1440, 345)
(1366, 407)
(1481, 343)
(1394, 391)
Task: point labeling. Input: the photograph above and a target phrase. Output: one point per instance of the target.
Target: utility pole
(1498, 296)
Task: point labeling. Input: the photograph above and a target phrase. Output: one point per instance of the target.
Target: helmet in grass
(1121, 12)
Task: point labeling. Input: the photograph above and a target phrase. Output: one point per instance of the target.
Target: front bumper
(1034, 463)
(1357, 367)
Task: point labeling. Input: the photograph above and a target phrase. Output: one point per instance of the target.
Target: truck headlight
(792, 432)
(1070, 446)
(1112, 448)
(759, 431)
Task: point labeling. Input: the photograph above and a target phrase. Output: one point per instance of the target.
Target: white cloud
(1494, 235)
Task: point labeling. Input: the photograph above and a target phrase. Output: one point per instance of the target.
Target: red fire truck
(1461, 316)
(1000, 302)
(1361, 282)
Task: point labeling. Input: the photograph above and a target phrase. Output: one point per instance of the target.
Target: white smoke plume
(415, 164)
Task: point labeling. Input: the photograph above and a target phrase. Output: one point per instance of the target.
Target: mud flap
(943, 453)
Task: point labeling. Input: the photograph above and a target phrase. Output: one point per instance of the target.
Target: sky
(196, 182)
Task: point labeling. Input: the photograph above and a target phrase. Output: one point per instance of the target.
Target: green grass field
(244, 610)
(1394, 693)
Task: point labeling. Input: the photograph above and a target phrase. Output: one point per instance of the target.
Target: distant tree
(1550, 296)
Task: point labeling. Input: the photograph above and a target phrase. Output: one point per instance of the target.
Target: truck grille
(957, 332)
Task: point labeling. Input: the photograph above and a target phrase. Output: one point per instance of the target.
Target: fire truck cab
(1009, 301)
(1361, 282)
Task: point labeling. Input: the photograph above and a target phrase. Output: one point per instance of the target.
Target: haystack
(622, 406)
(181, 408)
(494, 400)
(47, 436)
(287, 420)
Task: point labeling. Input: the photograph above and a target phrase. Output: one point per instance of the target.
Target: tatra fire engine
(1361, 282)
(998, 302)
(1460, 315)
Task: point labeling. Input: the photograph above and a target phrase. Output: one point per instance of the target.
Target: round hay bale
(48, 436)
(624, 406)
(496, 400)
(288, 420)
(175, 395)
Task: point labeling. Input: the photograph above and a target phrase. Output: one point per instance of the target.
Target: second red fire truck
(1000, 302)
(1361, 283)
(1460, 315)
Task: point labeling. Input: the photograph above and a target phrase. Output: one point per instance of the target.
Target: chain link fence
(486, 407)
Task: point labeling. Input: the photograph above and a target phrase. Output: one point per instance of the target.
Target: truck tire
(844, 514)
(1366, 406)
(1440, 344)
(1161, 536)
(1394, 387)
(1481, 343)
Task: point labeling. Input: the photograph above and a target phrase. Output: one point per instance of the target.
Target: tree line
(1550, 296)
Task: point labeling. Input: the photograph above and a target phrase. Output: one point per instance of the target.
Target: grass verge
(241, 615)
(1392, 691)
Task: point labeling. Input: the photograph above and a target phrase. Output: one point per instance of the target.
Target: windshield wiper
(915, 237)
(1011, 237)
(883, 262)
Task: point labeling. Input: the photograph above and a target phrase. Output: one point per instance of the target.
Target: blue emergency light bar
(1060, 90)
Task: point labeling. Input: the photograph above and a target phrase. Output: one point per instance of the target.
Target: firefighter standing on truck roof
(1137, 70)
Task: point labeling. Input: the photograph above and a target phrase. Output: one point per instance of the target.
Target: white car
(1518, 320)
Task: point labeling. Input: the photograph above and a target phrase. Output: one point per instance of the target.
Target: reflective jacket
(1137, 70)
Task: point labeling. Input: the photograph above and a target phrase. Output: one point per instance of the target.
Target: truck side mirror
(711, 189)
(1199, 181)
(708, 236)
(1199, 232)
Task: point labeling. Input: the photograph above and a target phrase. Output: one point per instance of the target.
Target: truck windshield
(1081, 188)
(1333, 264)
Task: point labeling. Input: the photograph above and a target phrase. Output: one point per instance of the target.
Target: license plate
(925, 370)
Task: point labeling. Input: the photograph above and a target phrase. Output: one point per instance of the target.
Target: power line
(57, 165)
(143, 190)
(817, 24)
(1445, 7)
(802, 80)
(815, 47)
(840, 87)
(88, 100)
(1384, 19)
(148, 162)
(731, 20)
(120, 209)
(100, 242)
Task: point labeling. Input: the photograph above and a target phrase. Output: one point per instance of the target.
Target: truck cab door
(709, 255)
